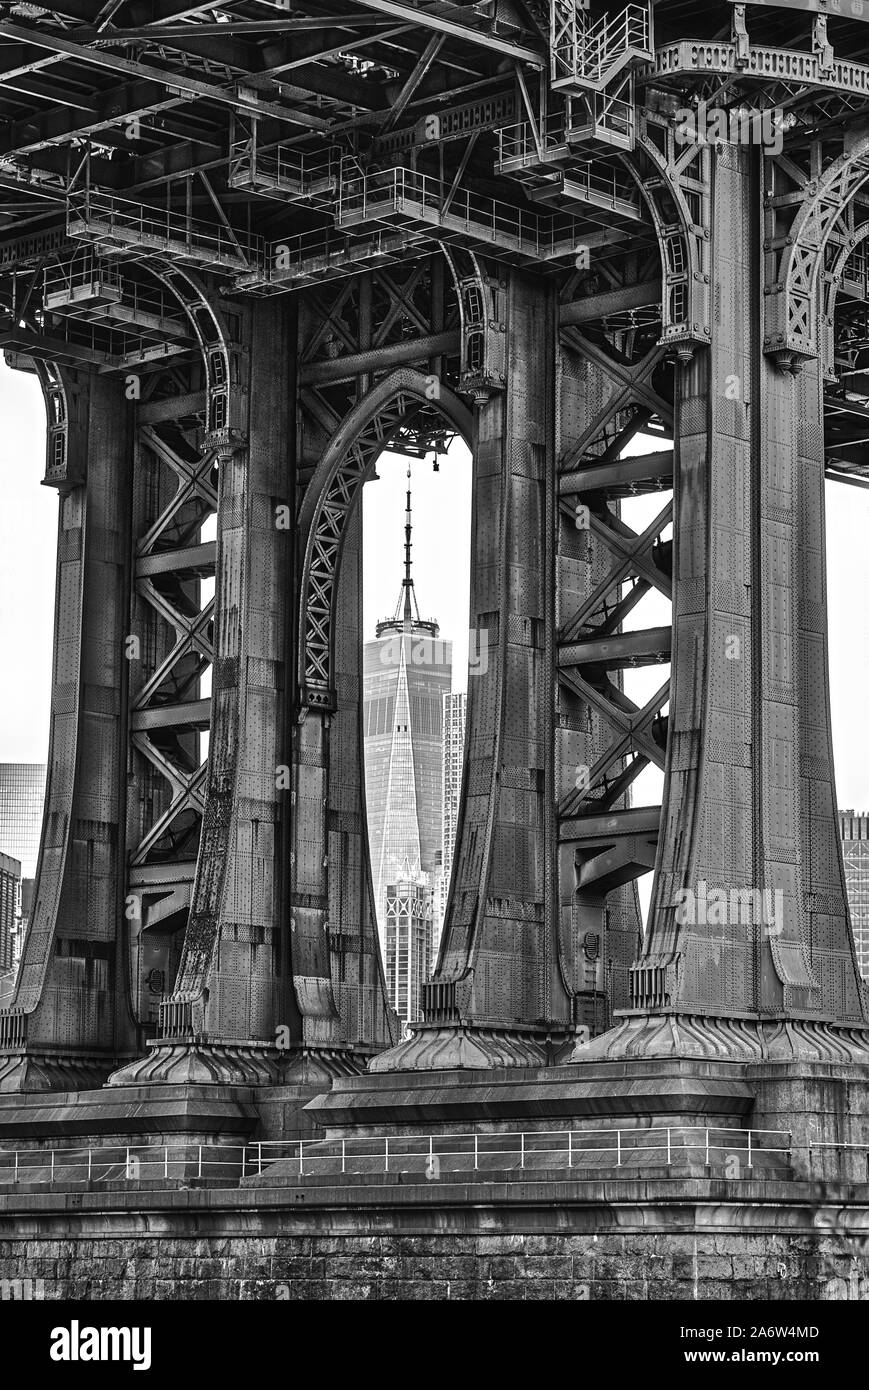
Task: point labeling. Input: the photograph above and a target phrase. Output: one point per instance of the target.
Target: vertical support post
(84, 1014)
(500, 954)
(749, 730)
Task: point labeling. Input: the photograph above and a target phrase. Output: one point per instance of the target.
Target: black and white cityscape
(434, 799)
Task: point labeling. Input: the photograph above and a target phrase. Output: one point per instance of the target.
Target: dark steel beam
(188, 87)
(425, 19)
(175, 408)
(199, 559)
(646, 647)
(232, 27)
(194, 714)
(599, 306)
(638, 820)
(624, 474)
(374, 359)
(431, 51)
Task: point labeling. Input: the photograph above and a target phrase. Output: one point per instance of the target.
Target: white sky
(441, 554)
(28, 547)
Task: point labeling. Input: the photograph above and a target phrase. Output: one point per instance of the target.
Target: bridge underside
(247, 253)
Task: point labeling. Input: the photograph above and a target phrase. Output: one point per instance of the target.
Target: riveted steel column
(499, 984)
(230, 997)
(242, 997)
(708, 820)
(70, 1019)
(337, 972)
(749, 928)
(810, 970)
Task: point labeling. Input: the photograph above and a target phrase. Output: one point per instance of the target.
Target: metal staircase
(589, 53)
(557, 155)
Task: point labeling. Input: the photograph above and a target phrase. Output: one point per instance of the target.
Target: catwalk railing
(326, 254)
(284, 171)
(556, 144)
(404, 197)
(745, 1150)
(120, 225)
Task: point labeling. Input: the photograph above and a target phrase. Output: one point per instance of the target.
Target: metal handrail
(517, 142)
(310, 253)
(825, 1144)
(91, 208)
(295, 170)
(585, 48)
(380, 194)
(133, 1162)
(71, 275)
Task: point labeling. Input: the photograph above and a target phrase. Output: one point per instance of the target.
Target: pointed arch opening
(410, 726)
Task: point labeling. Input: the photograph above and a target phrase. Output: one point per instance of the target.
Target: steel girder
(605, 739)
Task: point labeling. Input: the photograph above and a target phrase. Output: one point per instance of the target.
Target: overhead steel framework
(248, 247)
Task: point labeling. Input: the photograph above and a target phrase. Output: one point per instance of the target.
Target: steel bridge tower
(620, 251)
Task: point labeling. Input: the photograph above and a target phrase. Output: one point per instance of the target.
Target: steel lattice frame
(395, 404)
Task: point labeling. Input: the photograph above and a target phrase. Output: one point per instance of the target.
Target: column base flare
(675, 1035)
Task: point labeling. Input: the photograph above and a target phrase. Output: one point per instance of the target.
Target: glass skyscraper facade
(407, 671)
(406, 675)
(10, 906)
(854, 830)
(22, 794)
(408, 943)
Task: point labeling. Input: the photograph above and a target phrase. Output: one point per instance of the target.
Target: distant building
(453, 763)
(854, 830)
(406, 673)
(28, 891)
(22, 794)
(408, 943)
(10, 908)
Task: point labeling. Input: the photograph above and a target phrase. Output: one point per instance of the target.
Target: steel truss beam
(417, 15)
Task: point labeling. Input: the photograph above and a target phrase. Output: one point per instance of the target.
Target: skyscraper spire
(406, 616)
(408, 581)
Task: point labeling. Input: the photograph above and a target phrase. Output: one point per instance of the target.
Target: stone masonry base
(549, 1240)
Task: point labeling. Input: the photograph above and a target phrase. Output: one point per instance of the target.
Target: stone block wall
(545, 1241)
